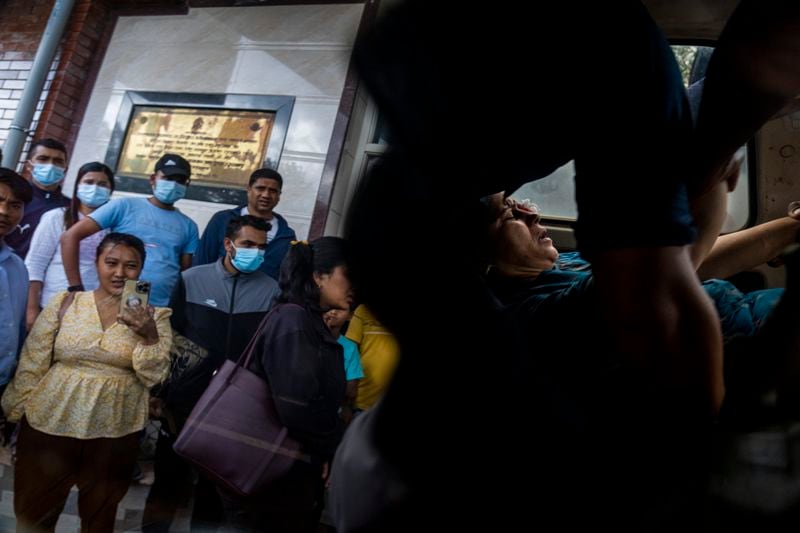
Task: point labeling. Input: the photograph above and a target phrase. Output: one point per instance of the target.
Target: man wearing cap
(170, 236)
(45, 170)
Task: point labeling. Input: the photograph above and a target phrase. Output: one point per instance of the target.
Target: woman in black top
(304, 366)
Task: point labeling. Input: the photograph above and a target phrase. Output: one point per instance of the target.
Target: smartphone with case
(136, 293)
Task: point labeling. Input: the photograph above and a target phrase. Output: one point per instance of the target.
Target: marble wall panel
(275, 24)
(157, 67)
(311, 125)
(310, 72)
(301, 51)
(301, 177)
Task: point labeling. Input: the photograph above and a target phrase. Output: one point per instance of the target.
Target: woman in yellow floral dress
(81, 395)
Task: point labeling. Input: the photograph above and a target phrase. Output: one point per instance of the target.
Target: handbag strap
(249, 352)
(65, 303)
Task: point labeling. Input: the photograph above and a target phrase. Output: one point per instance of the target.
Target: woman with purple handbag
(303, 363)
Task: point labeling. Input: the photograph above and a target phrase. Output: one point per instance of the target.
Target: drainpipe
(59, 17)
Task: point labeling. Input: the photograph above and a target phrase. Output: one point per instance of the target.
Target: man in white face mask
(45, 170)
(217, 307)
(170, 236)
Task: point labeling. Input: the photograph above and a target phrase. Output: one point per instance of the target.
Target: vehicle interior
(769, 176)
(757, 478)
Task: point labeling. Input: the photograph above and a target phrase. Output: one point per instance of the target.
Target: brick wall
(86, 34)
(66, 91)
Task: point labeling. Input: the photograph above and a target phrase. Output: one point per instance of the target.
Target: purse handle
(65, 303)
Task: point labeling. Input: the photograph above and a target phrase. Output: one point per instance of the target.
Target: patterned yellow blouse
(99, 383)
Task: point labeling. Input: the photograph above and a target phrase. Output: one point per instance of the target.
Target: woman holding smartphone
(81, 394)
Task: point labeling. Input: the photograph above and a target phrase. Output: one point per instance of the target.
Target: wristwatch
(75, 288)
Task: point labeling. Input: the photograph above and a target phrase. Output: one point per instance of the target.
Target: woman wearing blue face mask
(93, 187)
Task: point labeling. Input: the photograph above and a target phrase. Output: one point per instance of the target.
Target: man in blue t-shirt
(170, 236)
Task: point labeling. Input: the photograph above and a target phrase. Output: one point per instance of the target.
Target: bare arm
(70, 247)
(709, 211)
(749, 248)
(351, 391)
(716, 256)
(663, 322)
(34, 297)
(186, 261)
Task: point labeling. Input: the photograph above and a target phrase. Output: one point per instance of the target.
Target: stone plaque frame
(280, 106)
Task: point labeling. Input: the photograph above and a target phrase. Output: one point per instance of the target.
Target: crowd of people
(83, 371)
(616, 361)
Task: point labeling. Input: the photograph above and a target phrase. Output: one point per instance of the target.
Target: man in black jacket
(216, 309)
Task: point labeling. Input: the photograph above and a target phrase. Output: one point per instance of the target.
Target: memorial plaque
(225, 137)
(224, 146)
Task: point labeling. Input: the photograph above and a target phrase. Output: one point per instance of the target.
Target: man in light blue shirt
(15, 193)
(169, 236)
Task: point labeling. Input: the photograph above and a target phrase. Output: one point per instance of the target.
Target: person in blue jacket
(263, 194)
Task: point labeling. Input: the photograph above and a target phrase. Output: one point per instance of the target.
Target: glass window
(382, 134)
(555, 194)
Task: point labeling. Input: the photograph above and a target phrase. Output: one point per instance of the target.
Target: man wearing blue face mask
(170, 236)
(45, 170)
(217, 307)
